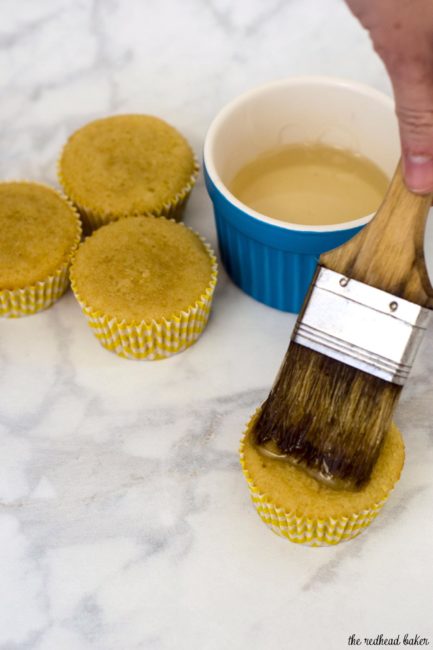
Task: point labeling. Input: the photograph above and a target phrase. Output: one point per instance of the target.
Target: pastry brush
(352, 347)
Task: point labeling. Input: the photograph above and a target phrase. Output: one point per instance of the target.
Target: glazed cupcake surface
(126, 165)
(294, 490)
(296, 506)
(141, 269)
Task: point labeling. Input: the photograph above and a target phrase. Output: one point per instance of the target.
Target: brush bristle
(327, 416)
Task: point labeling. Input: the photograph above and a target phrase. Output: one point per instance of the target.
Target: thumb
(402, 35)
(413, 91)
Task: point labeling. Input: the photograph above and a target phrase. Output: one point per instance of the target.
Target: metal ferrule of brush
(361, 326)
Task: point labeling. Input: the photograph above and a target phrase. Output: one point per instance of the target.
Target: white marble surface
(125, 522)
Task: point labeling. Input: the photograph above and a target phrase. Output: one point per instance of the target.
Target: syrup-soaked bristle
(327, 416)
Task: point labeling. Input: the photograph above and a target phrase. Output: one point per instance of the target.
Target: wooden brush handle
(388, 253)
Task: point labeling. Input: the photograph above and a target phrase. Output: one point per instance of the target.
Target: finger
(402, 35)
(413, 90)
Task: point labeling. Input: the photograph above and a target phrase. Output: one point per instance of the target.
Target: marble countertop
(125, 521)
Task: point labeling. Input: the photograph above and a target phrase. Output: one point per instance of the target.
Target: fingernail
(418, 173)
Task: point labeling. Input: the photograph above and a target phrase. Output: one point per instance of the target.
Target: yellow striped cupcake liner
(92, 220)
(27, 301)
(304, 529)
(154, 339)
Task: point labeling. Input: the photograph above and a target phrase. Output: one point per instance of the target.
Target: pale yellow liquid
(312, 184)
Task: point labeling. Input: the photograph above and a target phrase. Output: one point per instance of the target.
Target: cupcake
(40, 231)
(296, 506)
(127, 165)
(145, 285)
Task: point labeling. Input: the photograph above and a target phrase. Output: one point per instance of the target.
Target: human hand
(402, 35)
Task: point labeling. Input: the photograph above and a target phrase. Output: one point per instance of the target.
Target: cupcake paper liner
(26, 301)
(311, 531)
(92, 220)
(153, 339)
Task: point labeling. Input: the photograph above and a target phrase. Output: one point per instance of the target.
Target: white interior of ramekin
(301, 110)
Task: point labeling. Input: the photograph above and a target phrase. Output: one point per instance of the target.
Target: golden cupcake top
(126, 164)
(39, 231)
(292, 489)
(141, 269)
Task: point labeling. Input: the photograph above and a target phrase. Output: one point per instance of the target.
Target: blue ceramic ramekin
(271, 260)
